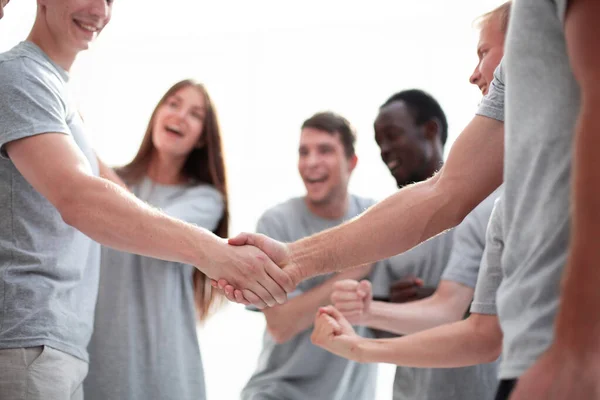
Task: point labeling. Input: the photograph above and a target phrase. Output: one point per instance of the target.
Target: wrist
(203, 250)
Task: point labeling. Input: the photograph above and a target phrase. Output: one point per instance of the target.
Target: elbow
(489, 336)
(68, 207)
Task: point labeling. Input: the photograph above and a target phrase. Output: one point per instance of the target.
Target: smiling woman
(179, 168)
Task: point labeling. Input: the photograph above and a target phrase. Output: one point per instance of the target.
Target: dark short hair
(333, 123)
(423, 108)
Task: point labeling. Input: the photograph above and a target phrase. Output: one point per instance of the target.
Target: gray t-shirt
(541, 111)
(48, 269)
(461, 265)
(144, 344)
(297, 369)
(490, 275)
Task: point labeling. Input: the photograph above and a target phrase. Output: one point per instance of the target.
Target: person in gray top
(54, 205)
(552, 99)
(290, 367)
(144, 344)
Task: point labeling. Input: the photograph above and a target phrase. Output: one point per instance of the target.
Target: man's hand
(353, 300)
(264, 283)
(559, 376)
(335, 334)
(409, 288)
(278, 252)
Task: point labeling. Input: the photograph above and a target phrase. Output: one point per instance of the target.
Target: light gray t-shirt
(461, 265)
(297, 369)
(48, 269)
(490, 274)
(144, 344)
(542, 104)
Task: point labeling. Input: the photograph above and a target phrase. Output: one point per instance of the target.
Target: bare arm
(448, 304)
(475, 340)
(298, 314)
(578, 321)
(113, 217)
(415, 213)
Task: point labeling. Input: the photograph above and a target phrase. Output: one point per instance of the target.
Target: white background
(268, 66)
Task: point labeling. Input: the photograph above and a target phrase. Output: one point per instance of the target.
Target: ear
(352, 163)
(432, 129)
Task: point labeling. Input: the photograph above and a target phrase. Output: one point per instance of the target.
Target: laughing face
(404, 148)
(324, 166)
(179, 122)
(76, 23)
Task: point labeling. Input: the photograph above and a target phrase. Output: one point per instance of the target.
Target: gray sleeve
(561, 9)
(467, 250)
(492, 105)
(490, 276)
(202, 205)
(29, 105)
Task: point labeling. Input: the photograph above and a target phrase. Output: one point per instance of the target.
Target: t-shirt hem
(55, 344)
(491, 112)
(24, 133)
(459, 279)
(483, 308)
(512, 370)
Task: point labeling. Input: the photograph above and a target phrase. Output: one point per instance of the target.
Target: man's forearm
(415, 213)
(406, 318)
(107, 172)
(475, 340)
(115, 218)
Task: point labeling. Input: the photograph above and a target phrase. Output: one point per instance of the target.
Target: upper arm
(453, 297)
(474, 166)
(53, 165)
(582, 32)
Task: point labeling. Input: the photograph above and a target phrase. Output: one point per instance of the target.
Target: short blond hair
(502, 13)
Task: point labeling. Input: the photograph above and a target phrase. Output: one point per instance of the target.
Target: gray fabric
(469, 244)
(144, 344)
(457, 260)
(40, 373)
(490, 275)
(541, 111)
(297, 369)
(48, 270)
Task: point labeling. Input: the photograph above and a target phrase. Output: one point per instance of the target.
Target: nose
(475, 76)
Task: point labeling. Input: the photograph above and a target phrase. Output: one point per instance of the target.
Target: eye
(198, 116)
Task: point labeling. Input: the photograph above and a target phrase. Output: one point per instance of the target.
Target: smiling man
(290, 367)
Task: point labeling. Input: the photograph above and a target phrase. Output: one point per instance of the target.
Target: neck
(166, 170)
(332, 210)
(43, 38)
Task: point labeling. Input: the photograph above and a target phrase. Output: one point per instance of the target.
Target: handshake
(253, 269)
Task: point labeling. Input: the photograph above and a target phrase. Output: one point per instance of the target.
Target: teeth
(393, 164)
(174, 129)
(87, 27)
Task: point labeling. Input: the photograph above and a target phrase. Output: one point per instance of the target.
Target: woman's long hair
(204, 164)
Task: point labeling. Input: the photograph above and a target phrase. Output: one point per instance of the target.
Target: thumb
(364, 289)
(239, 240)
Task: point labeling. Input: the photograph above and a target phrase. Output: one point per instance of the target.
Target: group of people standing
(104, 273)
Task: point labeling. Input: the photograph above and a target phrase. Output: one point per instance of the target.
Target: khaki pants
(40, 373)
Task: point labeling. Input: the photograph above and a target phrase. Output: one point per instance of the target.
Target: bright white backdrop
(269, 64)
